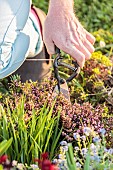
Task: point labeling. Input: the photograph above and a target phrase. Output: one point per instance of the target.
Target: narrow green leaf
(87, 162)
(4, 146)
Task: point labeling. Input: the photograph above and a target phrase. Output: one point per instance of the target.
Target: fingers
(90, 37)
(81, 47)
(89, 46)
(79, 36)
(75, 54)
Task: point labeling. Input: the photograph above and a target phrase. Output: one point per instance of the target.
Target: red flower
(44, 163)
(44, 155)
(3, 159)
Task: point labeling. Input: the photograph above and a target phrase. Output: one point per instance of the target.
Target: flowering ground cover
(37, 132)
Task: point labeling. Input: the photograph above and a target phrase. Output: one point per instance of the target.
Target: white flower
(76, 136)
(14, 163)
(96, 158)
(83, 138)
(60, 156)
(63, 143)
(102, 131)
(84, 151)
(102, 44)
(96, 139)
(34, 166)
(76, 148)
(87, 131)
(20, 166)
(105, 150)
(93, 148)
(110, 151)
(78, 165)
(65, 148)
(55, 161)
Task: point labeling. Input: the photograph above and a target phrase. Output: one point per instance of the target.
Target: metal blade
(63, 89)
(55, 92)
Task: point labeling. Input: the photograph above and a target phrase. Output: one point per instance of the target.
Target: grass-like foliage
(31, 135)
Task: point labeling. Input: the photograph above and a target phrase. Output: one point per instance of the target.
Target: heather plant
(35, 121)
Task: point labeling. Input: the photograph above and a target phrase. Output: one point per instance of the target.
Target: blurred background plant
(95, 14)
(42, 4)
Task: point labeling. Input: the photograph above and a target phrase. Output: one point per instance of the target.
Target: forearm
(67, 4)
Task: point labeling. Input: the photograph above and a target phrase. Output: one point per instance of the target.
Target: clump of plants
(103, 36)
(84, 153)
(33, 131)
(92, 84)
(104, 42)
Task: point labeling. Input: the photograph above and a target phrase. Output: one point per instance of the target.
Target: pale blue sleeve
(13, 44)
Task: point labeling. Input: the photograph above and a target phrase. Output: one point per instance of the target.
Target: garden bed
(37, 132)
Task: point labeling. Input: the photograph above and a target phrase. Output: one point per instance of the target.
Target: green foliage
(91, 85)
(95, 14)
(31, 134)
(42, 4)
(70, 158)
(88, 152)
(4, 145)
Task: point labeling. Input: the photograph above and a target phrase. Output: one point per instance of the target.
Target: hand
(64, 30)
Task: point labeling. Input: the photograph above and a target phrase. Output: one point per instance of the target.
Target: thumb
(50, 47)
(48, 43)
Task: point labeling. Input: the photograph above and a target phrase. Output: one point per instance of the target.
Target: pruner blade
(63, 89)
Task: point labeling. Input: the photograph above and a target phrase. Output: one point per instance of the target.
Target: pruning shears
(62, 86)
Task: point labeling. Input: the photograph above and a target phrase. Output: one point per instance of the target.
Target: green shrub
(95, 14)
